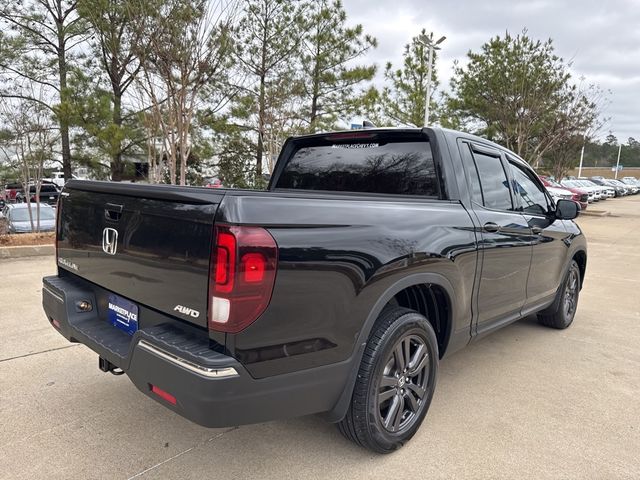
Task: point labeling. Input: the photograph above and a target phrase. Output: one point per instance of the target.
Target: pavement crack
(179, 454)
(38, 353)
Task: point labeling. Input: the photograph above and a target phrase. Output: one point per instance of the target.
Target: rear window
(373, 165)
(44, 189)
(22, 214)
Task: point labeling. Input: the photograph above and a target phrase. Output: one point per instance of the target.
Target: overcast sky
(602, 38)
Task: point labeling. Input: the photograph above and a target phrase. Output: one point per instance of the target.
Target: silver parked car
(19, 222)
(631, 182)
(631, 190)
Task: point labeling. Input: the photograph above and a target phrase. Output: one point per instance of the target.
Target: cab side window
(532, 198)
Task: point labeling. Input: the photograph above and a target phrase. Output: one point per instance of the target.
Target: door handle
(491, 227)
(536, 230)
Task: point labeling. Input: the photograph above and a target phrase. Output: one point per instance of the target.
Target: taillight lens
(243, 272)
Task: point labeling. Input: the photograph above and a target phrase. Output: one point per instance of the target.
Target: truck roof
(409, 130)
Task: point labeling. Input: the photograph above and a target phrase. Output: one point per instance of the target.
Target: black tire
(380, 387)
(567, 304)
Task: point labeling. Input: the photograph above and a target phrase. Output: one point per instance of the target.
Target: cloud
(601, 39)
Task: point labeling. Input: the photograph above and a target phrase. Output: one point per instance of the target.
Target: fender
(340, 409)
(558, 296)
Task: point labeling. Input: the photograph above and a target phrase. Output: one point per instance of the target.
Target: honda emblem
(110, 241)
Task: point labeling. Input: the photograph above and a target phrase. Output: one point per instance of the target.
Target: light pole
(618, 162)
(584, 140)
(428, 42)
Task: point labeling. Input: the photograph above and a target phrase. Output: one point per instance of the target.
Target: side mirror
(567, 209)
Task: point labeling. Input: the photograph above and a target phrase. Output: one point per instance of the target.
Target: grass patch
(20, 239)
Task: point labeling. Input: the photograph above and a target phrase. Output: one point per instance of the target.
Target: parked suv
(618, 190)
(49, 194)
(592, 194)
(630, 189)
(576, 194)
(631, 182)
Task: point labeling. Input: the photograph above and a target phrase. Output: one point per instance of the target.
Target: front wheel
(395, 383)
(562, 317)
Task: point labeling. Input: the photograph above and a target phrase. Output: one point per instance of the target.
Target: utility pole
(618, 162)
(427, 41)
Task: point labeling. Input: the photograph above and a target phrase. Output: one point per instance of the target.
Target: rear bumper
(210, 388)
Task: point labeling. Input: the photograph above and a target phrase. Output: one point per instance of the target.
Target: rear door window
(401, 166)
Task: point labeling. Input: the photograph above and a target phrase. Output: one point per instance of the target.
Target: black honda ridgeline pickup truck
(371, 256)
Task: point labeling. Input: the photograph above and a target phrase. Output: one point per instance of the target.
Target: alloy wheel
(571, 294)
(404, 383)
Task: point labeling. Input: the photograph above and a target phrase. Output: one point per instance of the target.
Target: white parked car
(593, 193)
(604, 192)
(632, 182)
(57, 178)
(560, 193)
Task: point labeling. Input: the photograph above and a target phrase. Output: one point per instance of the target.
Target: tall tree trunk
(261, 102)
(66, 150)
(316, 85)
(117, 168)
(64, 124)
(314, 101)
(261, 114)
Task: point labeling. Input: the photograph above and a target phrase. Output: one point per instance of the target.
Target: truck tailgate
(149, 244)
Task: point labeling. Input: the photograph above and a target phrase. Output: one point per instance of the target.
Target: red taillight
(225, 261)
(350, 136)
(253, 267)
(164, 395)
(243, 273)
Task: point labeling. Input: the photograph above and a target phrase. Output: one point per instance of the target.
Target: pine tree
(402, 100)
(118, 42)
(37, 50)
(268, 42)
(517, 91)
(330, 79)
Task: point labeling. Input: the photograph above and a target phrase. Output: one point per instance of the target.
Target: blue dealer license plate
(123, 314)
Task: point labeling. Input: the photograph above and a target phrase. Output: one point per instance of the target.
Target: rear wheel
(562, 317)
(395, 383)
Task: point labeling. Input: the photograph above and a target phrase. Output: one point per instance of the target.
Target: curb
(595, 213)
(27, 251)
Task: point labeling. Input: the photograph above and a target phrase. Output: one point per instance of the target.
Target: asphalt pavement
(525, 402)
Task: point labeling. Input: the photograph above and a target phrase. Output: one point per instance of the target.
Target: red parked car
(11, 191)
(579, 196)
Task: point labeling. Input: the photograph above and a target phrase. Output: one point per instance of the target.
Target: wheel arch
(435, 282)
(580, 256)
(440, 290)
